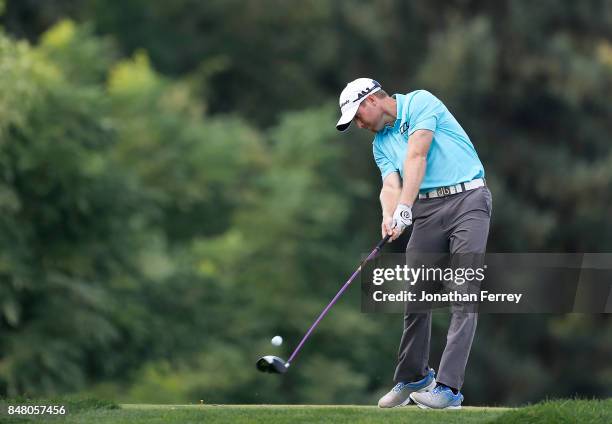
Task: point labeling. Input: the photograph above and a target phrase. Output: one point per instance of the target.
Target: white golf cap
(351, 97)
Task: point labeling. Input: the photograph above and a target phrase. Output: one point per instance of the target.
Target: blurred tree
(173, 192)
(67, 227)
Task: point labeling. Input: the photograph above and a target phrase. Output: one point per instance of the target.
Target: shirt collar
(399, 104)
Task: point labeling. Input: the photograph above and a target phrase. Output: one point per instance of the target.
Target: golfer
(432, 177)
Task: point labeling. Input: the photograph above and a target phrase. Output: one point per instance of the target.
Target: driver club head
(272, 364)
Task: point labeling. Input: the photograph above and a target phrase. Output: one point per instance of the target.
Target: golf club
(276, 365)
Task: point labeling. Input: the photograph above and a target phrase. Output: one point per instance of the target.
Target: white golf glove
(402, 217)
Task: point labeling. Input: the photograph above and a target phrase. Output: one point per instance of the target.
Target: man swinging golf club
(432, 177)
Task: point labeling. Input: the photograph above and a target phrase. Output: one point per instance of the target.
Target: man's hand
(402, 218)
(386, 227)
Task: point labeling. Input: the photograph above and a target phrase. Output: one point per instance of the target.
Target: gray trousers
(458, 223)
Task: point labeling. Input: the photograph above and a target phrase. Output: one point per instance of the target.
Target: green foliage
(173, 191)
(20, 74)
(84, 58)
(59, 252)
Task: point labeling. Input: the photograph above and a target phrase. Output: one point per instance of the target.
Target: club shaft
(336, 297)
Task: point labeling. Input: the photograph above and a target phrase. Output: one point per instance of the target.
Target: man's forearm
(389, 198)
(414, 171)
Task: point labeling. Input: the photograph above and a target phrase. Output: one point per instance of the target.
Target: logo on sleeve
(404, 128)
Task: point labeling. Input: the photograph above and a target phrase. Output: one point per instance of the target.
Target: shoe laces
(439, 389)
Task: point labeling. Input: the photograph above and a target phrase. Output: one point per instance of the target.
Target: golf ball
(277, 340)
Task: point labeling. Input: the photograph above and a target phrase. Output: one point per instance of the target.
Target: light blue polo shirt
(451, 159)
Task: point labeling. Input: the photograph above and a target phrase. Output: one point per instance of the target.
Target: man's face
(370, 115)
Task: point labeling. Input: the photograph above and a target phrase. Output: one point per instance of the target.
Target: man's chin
(373, 129)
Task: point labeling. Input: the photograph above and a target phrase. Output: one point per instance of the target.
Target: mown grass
(562, 411)
(100, 412)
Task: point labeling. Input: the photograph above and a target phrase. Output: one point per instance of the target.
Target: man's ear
(372, 100)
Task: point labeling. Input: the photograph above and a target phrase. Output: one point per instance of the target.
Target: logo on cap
(367, 91)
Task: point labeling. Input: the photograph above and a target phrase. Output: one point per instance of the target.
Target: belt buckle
(443, 191)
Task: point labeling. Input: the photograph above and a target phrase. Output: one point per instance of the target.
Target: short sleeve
(424, 111)
(383, 163)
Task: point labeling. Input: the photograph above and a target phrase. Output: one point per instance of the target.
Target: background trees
(173, 192)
